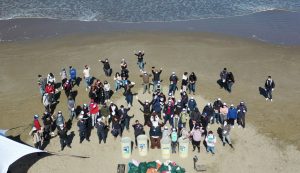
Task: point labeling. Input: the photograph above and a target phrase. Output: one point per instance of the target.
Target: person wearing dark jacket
(63, 137)
(155, 136)
(241, 113)
(128, 93)
(102, 129)
(106, 67)
(124, 117)
(209, 111)
(168, 113)
(138, 130)
(156, 78)
(140, 59)
(217, 105)
(269, 87)
(116, 127)
(146, 110)
(229, 81)
(192, 83)
(82, 129)
(223, 77)
(173, 83)
(194, 118)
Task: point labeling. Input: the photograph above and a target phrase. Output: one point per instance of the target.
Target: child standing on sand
(210, 141)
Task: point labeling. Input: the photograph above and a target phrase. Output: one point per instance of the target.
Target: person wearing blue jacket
(232, 115)
(73, 74)
(192, 104)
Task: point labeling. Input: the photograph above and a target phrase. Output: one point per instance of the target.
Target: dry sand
(269, 144)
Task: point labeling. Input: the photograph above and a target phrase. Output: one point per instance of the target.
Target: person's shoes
(267, 99)
(80, 142)
(198, 151)
(88, 140)
(212, 153)
(232, 127)
(99, 142)
(62, 148)
(239, 126)
(193, 149)
(224, 144)
(231, 146)
(271, 100)
(69, 146)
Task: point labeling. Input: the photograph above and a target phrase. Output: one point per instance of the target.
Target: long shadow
(220, 83)
(45, 144)
(57, 95)
(220, 131)
(78, 110)
(57, 85)
(74, 94)
(262, 91)
(78, 81)
(69, 124)
(23, 164)
(71, 137)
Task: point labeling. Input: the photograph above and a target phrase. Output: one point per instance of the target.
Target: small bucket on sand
(142, 145)
(126, 147)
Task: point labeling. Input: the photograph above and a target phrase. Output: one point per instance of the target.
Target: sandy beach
(269, 143)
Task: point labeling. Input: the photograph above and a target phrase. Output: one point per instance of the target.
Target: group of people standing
(166, 116)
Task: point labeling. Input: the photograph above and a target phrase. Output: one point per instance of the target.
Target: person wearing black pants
(269, 87)
(101, 130)
(241, 112)
(138, 130)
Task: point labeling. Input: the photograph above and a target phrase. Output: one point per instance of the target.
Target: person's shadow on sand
(71, 137)
(262, 92)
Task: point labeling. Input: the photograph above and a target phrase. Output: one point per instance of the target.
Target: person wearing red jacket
(50, 90)
(94, 111)
(36, 123)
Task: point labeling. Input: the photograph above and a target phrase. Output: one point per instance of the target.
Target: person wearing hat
(146, 81)
(241, 114)
(192, 104)
(82, 128)
(140, 59)
(59, 119)
(138, 130)
(223, 77)
(168, 112)
(63, 76)
(216, 116)
(102, 130)
(124, 117)
(87, 77)
(63, 137)
(155, 136)
(156, 78)
(183, 117)
(223, 113)
(209, 111)
(67, 87)
(106, 67)
(94, 111)
(210, 142)
(178, 106)
(196, 134)
(146, 110)
(173, 83)
(232, 115)
(128, 93)
(192, 83)
(269, 87)
(36, 137)
(174, 138)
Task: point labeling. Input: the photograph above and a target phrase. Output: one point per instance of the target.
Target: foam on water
(139, 10)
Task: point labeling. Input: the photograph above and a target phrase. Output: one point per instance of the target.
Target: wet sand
(271, 133)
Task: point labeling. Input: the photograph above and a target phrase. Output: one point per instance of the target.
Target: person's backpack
(114, 132)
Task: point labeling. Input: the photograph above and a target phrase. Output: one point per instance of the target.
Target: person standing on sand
(174, 138)
(241, 114)
(269, 87)
(94, 111)
(42, 82)
(140, 59)
(128, 93)
(51, 79)
(210, 141)
(146, 81)
(184, 82)
(229, 81)
(192, 83)
(82, 128)
(59, 119)
(226, 134)
(73, 75)
(36, 122)
(184, 117)
(217, 105)
(196, 134)
(223, 113)
(67, 86)
(71, 107)
(173, 83)
(223, 77)
(209, 111)
(36, 138)
(101, 130)
(63, 137)
(232, 115)
(106, 67)
(87, 77)
(146, 110)
(118, 81)
(156, 78)
(63, 76)
(138, 130)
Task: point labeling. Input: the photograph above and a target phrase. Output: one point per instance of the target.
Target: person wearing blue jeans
(192, 83)
(140, 58)
(269, 87)
(210, 142)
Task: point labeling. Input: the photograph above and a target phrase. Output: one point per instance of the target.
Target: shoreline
(275, 27)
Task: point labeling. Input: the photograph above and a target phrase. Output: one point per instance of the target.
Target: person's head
(59, 113)
(84, 105)
(145, 72)
(61, 126)
(122, 106)
(224, 104)
(70, 97)
(92, 100)
(242, 103)
(51, 74)
(197, 128)
(185, 73)
(34, 129)
(147, 102)
(192, 73)
(232, 106)
(173, 73)
(39, 75)
(174, 130)
(184, 110)
(210, 132)
(225, 69)
(70, 67)
(219, 99)
(36, 116)
(269, 77)
(166, 128)
(106, 60)
(136, 121)
(140, 51)
(117, 74)
(86, 66)
(208, 104)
